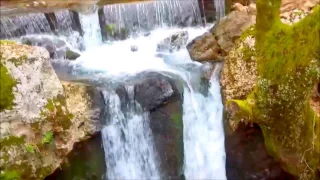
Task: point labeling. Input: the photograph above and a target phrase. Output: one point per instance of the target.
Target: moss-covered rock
(37, 128)
(287, 69)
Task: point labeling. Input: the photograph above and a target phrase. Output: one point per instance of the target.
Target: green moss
(30, 148)
(251, 31)
(177, 119)
(47, 138)
(6, 83)
(18, 61)
(56, 112)
(287, 72)
(10, 141)
(110, 29)
(6, 42)
(10, 175)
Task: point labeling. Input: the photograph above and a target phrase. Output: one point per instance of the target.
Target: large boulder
(86, 161)
(205, 48)
(153, 90)
(159, 95)
(214, 45)
(37, 127)
(173, 42)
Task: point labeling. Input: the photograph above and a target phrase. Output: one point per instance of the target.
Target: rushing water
(127, 138)
(128, 142)
(202, 117)
(92, 32)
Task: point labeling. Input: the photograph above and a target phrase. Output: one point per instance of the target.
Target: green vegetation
(110, 29)
(177, 119)
(10, 141)
(6, 42)
(10, 175)
(47, 138)
(55, 112)
(288, 70)
(30, 148)
(18, 61)
(6, 83)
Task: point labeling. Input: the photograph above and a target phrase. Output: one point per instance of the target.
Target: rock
(58, 49)
(230, 28)
(87, 105)
(205, 48)
(174, 42)
(239, 74)
(159, 95)
(167, 128)
(247, 157)
(153, 89)
(85, 161)
(214, 45)
(38, 124)
(71, 55)
(134, 48)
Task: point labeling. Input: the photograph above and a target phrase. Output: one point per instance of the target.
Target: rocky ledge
(41, 118)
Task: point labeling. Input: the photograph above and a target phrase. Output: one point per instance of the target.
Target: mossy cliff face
(287, 69)
(37, 129)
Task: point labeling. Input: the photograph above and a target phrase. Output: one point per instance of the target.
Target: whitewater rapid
(204, 153)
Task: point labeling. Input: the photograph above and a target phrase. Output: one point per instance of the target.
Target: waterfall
(203, 132)
(147, 16)
(60, 23)
(92, 32)
(127, 138)
(25, 24)
(128, 142)
(220, 8)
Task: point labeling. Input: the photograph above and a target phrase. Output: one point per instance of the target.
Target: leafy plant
(30, 148)
(9, 175)
(47, 138)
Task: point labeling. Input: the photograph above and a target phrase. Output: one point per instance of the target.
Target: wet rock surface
(153, 90)
(247, 158)
(86, 161)
(57, 48)
(175, 42)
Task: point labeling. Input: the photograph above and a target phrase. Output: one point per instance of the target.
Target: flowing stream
(127, 139)
(128, 143)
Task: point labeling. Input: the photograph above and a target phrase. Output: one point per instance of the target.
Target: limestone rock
(86, 103)
(38, 129)
(216, 44)
(205, 48)
(174, 42)
(240, 70)
(230, 28)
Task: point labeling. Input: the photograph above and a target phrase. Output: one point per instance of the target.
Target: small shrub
(47, 138)
(30, 148)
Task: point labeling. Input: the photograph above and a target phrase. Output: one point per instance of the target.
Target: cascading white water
(25, 24)
(128, 142)
(91, 28)
(202, 118)
(203, 132)
(220, 8)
